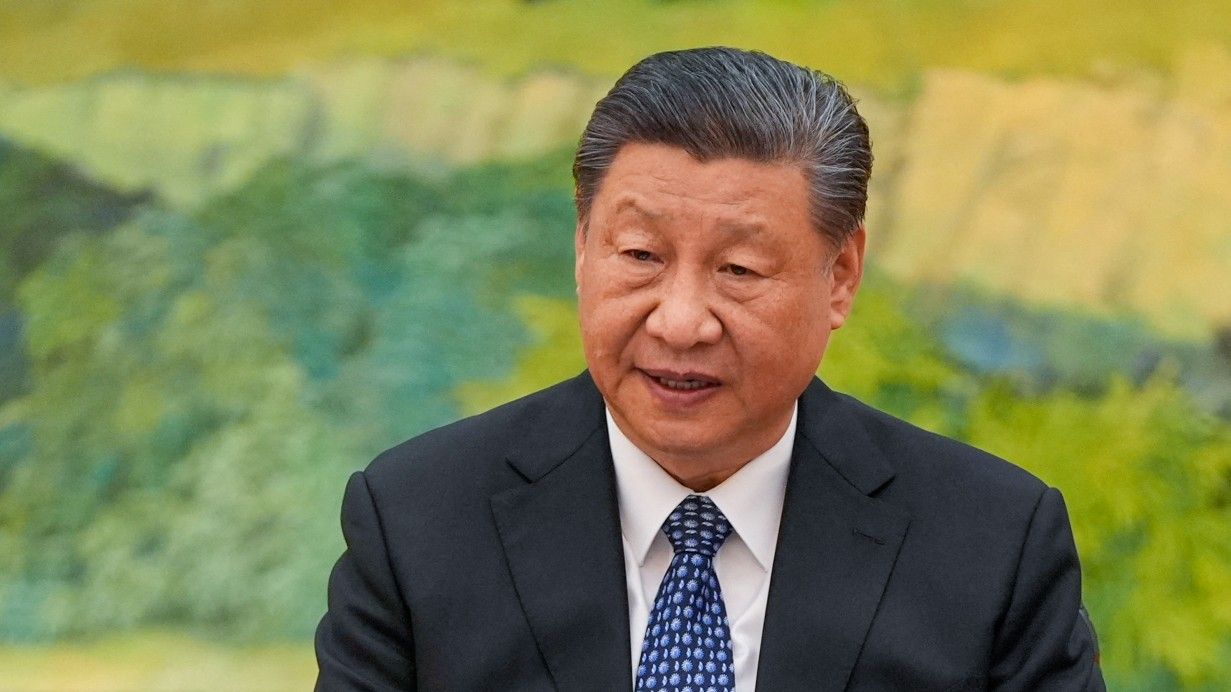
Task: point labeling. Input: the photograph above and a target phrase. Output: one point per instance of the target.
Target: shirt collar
(751, 498)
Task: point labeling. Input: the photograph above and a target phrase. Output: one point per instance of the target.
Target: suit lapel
(561, 537)
(836, 549)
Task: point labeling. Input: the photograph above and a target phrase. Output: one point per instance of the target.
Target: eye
(640, 255)
(738, 270)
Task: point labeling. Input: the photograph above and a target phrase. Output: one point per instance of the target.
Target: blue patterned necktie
(687, 646)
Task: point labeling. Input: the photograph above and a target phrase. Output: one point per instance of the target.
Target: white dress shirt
(751, 499)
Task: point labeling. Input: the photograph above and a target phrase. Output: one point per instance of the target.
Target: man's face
(706, 299)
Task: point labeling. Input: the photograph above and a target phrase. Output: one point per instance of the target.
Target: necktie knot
(696, 525)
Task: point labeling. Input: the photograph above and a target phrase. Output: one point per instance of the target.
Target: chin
(678, 437)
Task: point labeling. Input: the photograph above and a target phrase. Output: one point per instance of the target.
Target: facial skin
(711, 272)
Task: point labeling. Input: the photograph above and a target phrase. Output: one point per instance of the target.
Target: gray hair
(723, 102)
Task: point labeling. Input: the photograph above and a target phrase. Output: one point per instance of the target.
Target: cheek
(608, 324)
(780, 332)
(811, 333)
(611, 295)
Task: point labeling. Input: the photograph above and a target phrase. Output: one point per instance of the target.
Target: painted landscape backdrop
(246, 246)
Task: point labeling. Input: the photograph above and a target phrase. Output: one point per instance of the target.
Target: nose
(683, 317)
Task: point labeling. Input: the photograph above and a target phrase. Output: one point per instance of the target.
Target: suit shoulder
(943, 464)
(474, 448)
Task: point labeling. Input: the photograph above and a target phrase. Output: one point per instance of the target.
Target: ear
(845, 276)
(579, 251)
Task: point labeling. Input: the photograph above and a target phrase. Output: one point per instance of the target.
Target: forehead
(664, 182)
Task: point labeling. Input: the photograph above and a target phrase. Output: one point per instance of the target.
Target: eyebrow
(750, 229)
(632, 204)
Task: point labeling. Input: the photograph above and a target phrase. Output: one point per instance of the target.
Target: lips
(682, 381)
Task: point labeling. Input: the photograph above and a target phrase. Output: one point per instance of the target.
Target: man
(697, 510)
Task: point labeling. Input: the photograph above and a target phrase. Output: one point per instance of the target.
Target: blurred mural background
(244, 246)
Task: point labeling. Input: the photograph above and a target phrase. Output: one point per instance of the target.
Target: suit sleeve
(364, 641)
(1045, 640)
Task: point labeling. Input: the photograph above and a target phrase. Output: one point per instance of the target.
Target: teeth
(681, 384)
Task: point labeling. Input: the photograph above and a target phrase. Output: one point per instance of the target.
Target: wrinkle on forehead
(655, 185)
(740, 220)
(668, 179)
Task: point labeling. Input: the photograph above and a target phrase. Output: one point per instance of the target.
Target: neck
(704, 481)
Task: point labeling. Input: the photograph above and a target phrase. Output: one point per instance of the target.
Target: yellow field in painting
(156, 661)
(868, 42)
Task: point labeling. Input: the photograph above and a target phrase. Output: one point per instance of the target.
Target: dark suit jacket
(486, 555)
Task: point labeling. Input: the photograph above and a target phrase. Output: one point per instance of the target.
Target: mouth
(688, 381)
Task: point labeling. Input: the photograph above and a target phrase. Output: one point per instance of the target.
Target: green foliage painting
(245, 247)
